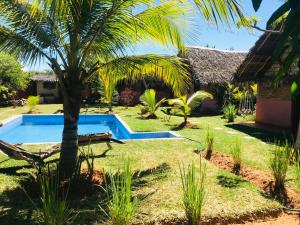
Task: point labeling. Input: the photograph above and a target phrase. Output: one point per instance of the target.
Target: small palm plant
(184, 106)
(151, 105)
(193, 192)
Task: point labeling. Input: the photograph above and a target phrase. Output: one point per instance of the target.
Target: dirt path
(284, 219)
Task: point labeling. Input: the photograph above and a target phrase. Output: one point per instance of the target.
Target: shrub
(209, 139)
(55, 209)
(230, 112)
(236, 154)
(32, 102)
(122, 208)
(193, 192)
(279, 166)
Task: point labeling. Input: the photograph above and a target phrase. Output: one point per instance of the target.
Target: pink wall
(274, 112)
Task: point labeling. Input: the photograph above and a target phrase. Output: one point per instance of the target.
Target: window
(49, 85)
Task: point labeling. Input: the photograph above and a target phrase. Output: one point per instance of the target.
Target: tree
(12, 75)
(184, 105)
(67, 32)
(289, 39)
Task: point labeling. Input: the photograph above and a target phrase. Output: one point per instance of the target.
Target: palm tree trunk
(297, 143)
(69, 147)
(110, 107)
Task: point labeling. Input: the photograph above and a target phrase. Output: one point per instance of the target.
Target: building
(274, 104)
(211, 70)
(46, 86)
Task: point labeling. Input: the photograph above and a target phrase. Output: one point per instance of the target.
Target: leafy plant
(122, 208)
(55, 208)
(108, 86)
(236, 154)
(210, 137)
(88, 157)
(230, 113)
(149, 101)
(32, 102)
(184, 106)
(193, 192)
(279, 166)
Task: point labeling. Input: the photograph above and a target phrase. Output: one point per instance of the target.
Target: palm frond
(196, 99)
(220, 11)
(171, 70)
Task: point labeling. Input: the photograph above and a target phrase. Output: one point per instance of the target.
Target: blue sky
(222, 38)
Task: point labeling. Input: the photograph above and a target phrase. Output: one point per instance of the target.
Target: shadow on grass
(229, 181)
(17, 208)
(263, 135)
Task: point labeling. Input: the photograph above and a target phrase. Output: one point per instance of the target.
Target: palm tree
(151, 105)
(66, 33)
(184, 106)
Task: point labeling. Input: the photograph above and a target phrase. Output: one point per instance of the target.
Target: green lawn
(158, 186)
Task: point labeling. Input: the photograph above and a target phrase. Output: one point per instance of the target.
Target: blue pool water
(48, 128)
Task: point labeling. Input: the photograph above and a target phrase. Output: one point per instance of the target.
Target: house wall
(274, 105)
(47, 95)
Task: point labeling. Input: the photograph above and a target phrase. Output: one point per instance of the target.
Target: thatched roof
(45, 77)
(259, 65)
(213, 65)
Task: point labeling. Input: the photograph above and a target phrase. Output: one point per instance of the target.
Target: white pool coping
(176, 136)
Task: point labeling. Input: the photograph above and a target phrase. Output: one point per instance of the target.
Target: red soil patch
(260, 178)
(276, 217)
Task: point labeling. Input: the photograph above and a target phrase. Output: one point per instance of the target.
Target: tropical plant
(236, 154)
(122, 208)
(55, 208)
(32, 102)
(230, 112)
(210, 137)
(67, 33)
(279, 165)
(184, 106)
(150, 104)
(193, 192)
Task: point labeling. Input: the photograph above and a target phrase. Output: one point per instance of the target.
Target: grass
(158, 186)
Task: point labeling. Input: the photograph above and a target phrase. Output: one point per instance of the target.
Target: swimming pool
(48, 128)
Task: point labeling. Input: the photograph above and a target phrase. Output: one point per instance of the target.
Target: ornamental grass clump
(230, 113)
(55, 208)
(193, 192)
(122, 206)
(210, 137)
(297, 170)
(236, 154)
(279, 165)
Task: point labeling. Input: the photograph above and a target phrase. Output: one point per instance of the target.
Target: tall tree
(67, 32)
(12, 75)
